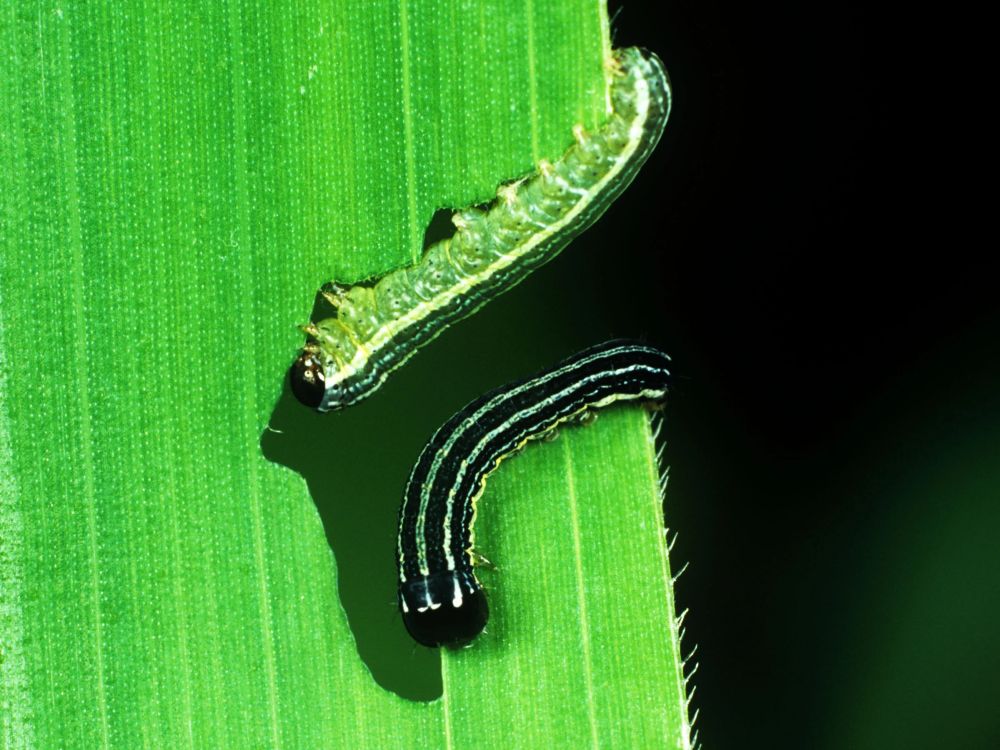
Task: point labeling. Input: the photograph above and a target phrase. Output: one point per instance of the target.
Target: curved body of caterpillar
(379, 325)
(441, 601)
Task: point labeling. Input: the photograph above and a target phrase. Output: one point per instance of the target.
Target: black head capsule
(440, 611)
(307, 379)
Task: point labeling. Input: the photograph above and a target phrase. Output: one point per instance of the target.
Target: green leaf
(176, 180)
(583, 632)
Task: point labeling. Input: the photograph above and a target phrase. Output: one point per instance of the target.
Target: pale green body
(379, 326)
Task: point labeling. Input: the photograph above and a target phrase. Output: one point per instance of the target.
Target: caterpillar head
(443, 610)
(307, 379)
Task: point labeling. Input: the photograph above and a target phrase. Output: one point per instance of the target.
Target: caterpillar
(378, 325)
(441, 601)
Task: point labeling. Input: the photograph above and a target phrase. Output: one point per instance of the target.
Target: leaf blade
(176, 182)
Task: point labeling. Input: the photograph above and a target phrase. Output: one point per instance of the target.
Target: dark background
(798, 246)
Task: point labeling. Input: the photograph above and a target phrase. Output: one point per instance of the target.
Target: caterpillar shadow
(355, 463)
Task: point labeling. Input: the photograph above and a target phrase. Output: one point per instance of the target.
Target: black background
(798, 247)
(835, 452)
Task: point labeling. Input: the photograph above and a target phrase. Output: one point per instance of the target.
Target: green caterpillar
(379, 325)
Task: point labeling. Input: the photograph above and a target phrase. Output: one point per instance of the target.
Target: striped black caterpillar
(441, 600)
(380, 324)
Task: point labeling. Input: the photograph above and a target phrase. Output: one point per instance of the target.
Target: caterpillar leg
(481, 560)
(334, 294)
